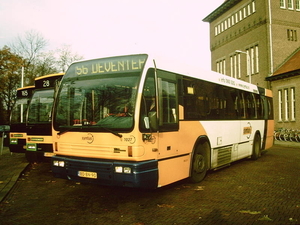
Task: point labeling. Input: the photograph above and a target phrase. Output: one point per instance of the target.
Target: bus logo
(89, 138)
(248, 131)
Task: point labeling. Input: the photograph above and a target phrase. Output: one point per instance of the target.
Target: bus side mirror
(153, 121)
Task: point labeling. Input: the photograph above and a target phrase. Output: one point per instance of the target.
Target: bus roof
(49, 75)
(195, 71)
(25, 88)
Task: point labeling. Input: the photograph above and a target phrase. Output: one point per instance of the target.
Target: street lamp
(248, 63)
(22, 77)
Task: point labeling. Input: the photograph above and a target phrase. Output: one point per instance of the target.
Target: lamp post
(22, 77)
(248, 63)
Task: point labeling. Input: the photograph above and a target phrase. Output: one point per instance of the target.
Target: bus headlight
(13, 141)
(127, 170)
(59, 163)
(121, 169)
(31, 147)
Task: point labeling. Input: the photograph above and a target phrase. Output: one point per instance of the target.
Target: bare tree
(29, 47)
(66, 57)
(45, 64)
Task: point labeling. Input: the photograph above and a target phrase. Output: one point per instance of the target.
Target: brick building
(257, 41)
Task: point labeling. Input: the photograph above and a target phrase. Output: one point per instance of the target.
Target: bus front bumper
(107, 172)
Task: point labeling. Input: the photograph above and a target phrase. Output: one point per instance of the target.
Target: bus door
(247, 114)
(159, 109)
(174, 163)
(168, 121)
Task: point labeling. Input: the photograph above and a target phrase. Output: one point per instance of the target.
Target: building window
(282, 4)
(221, 66)
(293, 104)
(235, 65)
(280, 106)
(229, 22)
(239, 65)
(290, 4)
(248, 62)
(253, 7)
(236, 17)
(291, 35)
(298, 5)
(286, 105)
(231, 66)
(249, 9)
(256, 59)
(236, 69)
(253, 61)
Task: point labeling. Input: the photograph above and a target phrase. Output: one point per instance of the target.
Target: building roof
(291, 67)
(220, 10)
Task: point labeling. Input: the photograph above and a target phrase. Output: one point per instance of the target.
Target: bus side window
(259, 106)
(237, 107)
(270, 108)
(168, 101)
(250, 106)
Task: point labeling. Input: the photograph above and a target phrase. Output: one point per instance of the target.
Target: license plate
(87, 174)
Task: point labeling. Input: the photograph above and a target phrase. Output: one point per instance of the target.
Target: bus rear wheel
(256, 149)
(199, 163)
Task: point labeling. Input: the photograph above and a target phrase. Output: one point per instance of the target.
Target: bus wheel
(199, 163)
(256, 149)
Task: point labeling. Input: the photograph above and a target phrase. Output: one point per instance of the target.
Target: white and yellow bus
(139, 121)
(38, 121)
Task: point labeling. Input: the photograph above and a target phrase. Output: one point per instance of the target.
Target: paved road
(265, 191)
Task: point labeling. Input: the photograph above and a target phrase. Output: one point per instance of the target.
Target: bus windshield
(97, 102)
(18, 113)
(40, 107)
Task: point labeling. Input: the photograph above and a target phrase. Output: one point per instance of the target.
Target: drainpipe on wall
(270, 39)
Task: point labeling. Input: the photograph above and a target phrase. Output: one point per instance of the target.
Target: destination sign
(131, 63)
(47, 81)
(25, 92)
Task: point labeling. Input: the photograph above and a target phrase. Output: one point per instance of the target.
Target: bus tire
(199, 164)
(256, 149)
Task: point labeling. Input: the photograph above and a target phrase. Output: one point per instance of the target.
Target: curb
(9, 183)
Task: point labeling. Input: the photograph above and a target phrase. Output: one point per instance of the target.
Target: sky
(100, 28)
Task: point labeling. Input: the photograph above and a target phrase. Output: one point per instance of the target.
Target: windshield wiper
(111, 131)
(94, 127)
